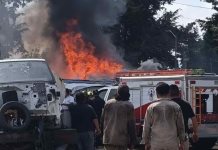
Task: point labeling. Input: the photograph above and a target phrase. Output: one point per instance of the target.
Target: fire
(80, 59)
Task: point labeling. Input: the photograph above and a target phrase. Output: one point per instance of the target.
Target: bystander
(163, 124)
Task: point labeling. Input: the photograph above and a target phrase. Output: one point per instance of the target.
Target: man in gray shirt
(119, 122)
(163, 124)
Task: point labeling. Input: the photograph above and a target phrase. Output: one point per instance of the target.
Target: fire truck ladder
(196, 102)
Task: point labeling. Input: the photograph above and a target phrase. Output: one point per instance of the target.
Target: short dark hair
(123, 93)
(162, 89)
(80, 98)
(174, 90)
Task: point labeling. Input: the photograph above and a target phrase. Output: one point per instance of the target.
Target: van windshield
(24, 71)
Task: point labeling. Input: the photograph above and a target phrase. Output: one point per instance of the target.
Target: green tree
(142, 36)
(210, 44)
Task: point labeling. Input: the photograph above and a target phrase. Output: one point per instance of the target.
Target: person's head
(80, 98)
(67, 92)
(95, 93)
(162, 90)
(174, 91)
(123, 93)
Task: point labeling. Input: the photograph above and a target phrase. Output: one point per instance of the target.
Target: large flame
(80, 59)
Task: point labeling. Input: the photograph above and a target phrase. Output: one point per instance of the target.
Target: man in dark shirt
(98, 104)
(187, 113)
(84, 119)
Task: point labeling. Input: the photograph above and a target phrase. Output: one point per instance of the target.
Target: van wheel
(204, 144)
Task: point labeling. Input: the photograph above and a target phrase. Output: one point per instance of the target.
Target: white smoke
(36, 18)
(149, 64)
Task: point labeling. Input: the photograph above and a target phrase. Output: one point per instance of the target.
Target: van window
(112, 94)
(102, 94)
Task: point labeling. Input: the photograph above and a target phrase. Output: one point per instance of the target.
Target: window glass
(102, 94)
(112, 94)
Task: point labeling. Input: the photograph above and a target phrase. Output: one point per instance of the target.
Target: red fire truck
(198, 88)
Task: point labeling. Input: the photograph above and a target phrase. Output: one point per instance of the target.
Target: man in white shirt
(66, 118)
(163, 125)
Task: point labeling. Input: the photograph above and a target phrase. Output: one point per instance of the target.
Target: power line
(193, 6)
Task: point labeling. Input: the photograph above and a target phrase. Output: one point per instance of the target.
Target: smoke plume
(46, 20)
(92, 16)
(150, 64)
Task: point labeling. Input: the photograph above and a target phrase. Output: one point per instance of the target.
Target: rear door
(204, 101)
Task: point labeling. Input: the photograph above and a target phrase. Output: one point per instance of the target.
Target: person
(119, 122)
(187, 114)
(84, 120)
(66, 119)
(98, 104)
(68, 98)
(163, 124)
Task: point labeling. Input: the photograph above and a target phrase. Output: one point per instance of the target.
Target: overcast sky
(189, 13)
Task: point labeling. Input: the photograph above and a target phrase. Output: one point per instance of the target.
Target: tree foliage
(143, 35)
(210, 44)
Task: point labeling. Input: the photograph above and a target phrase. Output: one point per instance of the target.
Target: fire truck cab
(198, 88)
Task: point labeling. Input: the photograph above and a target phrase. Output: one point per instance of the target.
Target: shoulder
(71, 97)
(88, 106)
(153, 105)
(174, 104)
(128, 104)
(111, 101)
(168, 103)
(182, 103)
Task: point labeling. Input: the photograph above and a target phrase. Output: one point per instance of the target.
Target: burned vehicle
(29, 104)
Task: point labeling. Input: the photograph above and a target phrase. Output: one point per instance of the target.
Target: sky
(189, 13)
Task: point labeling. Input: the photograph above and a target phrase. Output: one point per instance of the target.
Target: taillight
(177, 82)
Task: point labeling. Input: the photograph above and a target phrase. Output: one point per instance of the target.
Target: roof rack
(138, 73)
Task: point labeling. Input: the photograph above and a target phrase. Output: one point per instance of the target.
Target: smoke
(46, 19)
(150, 64)
(36, 19)
(93, 17)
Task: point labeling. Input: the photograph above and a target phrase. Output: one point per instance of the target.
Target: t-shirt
(82, 116)
(67, 100)
(98, 105)
(186, 111)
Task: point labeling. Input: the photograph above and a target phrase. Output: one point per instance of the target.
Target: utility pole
(175, 49)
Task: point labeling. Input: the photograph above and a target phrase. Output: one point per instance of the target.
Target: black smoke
(92, 15)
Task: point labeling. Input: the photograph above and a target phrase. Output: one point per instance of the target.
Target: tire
(204, 144)
(21, 110)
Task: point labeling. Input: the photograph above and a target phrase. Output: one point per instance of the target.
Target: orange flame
(80, 59)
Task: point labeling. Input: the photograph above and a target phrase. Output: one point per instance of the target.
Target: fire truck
(200, 89)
